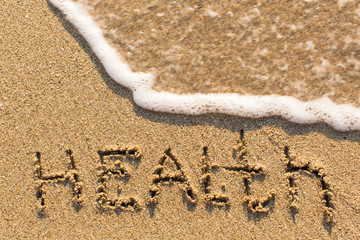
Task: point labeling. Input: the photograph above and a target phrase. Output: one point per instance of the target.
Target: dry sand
(166, 176)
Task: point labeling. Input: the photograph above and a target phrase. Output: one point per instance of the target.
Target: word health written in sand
(118, 165)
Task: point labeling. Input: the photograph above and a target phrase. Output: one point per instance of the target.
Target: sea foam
(343, 117)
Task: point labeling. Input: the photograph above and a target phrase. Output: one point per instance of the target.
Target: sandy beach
(81, 160)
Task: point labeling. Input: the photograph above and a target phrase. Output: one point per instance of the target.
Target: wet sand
(307, 49)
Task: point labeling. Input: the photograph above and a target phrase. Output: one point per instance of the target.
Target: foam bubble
(343, 117)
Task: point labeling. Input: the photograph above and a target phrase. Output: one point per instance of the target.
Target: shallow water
(306, 49)
(253, 59)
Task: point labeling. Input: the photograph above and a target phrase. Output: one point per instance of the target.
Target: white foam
(210, 13)
(343, 117)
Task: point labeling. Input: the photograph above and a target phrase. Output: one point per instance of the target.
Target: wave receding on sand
(343, 117)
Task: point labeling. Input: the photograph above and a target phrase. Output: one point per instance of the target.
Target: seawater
(147, 93)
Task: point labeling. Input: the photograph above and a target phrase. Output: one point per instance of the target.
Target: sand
(306, 49)
(80, 160)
